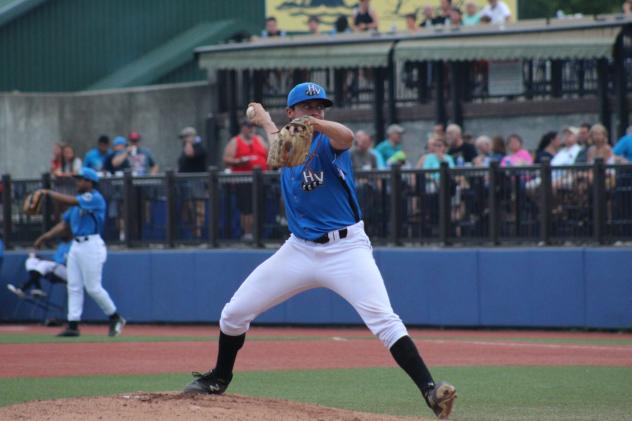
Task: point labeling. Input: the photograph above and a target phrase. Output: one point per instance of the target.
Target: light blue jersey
(94, 159)
(320, 195)
(88, 217)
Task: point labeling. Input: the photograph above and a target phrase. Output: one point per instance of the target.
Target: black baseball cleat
(207, 383)
(116, 326)
(68, 333)
(441, 399)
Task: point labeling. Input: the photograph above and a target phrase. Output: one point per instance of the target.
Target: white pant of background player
(85, 268)
(45, 267)
(345, 266)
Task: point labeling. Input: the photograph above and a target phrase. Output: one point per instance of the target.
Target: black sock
(73, 325)
(34, 280)
(227, 353)
(114, 316)
(407, 356)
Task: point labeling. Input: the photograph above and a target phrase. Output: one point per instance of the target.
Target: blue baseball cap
(119, 140)
(307, 91)
(88, 174)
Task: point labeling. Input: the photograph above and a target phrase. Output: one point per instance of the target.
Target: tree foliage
(530, 9)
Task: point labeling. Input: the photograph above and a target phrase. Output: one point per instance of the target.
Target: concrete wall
(31, 123)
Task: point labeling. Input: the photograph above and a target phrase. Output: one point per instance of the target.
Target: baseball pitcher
(327, 248)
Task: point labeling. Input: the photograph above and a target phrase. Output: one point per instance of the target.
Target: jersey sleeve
(89, 201)
(66, 216)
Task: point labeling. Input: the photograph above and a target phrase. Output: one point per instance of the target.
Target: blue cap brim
(328, 102)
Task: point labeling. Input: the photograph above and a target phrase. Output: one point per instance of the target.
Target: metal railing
(416, 82)
(538, 204)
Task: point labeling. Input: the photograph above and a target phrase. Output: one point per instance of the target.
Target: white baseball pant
(345, 266)
(44, 267)
(85, 268)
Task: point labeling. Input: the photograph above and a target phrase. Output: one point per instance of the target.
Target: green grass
(485, 393)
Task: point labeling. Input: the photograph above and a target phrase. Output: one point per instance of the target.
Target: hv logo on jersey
(312, 179)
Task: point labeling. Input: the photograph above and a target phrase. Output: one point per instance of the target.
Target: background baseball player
(327, 248)
(38, 267)
(87, 253)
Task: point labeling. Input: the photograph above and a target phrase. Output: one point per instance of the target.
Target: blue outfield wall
(517, 287)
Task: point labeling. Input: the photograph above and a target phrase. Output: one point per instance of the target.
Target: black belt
(324, 239)
(82, 239)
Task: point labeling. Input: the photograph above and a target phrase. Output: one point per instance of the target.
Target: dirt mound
(176, 406)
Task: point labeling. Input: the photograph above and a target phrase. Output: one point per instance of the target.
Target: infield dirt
(176, 406)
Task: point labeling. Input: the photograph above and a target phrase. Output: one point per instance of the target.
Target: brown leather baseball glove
(291, 146)
(33, 203)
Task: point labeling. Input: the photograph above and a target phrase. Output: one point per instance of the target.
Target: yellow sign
(292, 15)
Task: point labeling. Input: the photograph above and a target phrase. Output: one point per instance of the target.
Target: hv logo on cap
(312, 90)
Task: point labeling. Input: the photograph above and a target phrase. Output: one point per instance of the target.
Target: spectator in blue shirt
(623, 148)
(96, 157)
(392, 144)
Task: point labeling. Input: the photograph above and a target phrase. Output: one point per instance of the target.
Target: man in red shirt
(243, 153)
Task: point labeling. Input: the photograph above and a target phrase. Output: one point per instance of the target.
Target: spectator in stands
(627, 7)
(272, 29)
(548, 147)
(96, 156)
(243, 153)
(497, 11)
(517, 154)
(443, 15)
(140, 158)
(392, 144)
(471, 16)
(313, 23)
(70, 164)
(429, 17)
(193, 156)
(115, 163)
(341, 25)
(55, 162)
(459, 150)
(456, 18)
(432, 161)
(362, 157)
(429, 149)
(600, 148)
(37, 268)
(439, 130)
(411, 23)
(484, 146)
(583, 139)
(498, 148)
(623, 148)
(193, 195)
(364, 17)
(570, 148)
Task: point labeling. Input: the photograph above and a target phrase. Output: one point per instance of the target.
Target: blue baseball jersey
(320, 195)
(94, 159)
(61, 253)
(88, 216)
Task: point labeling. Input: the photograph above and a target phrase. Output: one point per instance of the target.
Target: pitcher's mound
(176, 406)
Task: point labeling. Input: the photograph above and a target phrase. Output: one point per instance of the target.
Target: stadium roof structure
(544, 39)
(168, 56)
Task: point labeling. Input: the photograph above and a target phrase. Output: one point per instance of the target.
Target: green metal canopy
(286, 55)
(589, 43)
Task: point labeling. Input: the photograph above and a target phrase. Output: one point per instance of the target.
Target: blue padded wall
(516, 287)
